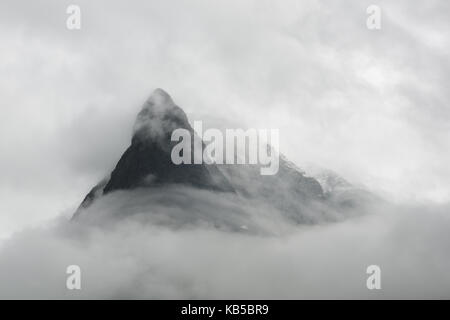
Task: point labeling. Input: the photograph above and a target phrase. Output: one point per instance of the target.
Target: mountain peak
(159, 99)
(147, 161)
(147, 164)
(158, 117)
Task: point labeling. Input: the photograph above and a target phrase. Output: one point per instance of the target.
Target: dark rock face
(148, 160)
(147, 163)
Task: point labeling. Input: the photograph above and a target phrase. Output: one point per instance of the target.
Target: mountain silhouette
(146, 164)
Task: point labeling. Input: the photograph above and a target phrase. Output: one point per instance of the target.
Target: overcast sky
(371, 105)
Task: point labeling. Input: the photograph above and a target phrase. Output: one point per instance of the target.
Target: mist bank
(150, 254)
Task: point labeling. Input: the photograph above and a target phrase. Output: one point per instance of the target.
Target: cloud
(161, 251)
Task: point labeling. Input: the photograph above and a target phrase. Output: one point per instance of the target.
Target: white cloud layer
(153, 258)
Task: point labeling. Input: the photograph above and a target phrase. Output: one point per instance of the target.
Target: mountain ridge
(146, 164)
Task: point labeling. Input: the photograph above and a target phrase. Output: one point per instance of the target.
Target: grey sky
(372, 105)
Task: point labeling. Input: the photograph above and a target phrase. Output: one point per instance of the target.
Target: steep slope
(147, 161)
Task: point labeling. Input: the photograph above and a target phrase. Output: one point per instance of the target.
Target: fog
(370, 105)
(172, 251)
